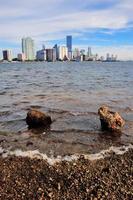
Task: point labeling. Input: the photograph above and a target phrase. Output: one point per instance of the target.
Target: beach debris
(110, 120)
(37, 119)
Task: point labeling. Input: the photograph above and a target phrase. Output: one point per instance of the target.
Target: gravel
(23, 178)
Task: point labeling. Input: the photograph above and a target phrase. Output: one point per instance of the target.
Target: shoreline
(51, 160)
(35, 179)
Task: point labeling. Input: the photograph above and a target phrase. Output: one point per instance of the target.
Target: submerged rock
(37, 119)
(110, 120)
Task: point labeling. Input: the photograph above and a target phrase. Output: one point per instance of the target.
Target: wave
(72, 113)
(36, 154)
(4, 113)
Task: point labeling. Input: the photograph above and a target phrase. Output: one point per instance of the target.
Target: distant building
(55, 52)
(62, 53)
(102, 58)
(89, 52)
(76, 54)
(21, 57)
(28, 48)
(69, 46)
(114, 58)
(82, 52)
(108, 58)
(111, 58)
(49, 55)
(82, 55)
(7, 55)
(41, 55)
(96, 57)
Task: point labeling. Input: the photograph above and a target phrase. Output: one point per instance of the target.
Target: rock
(37, 119)
(110, 120)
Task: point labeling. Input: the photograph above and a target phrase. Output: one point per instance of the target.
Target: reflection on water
(71, 93)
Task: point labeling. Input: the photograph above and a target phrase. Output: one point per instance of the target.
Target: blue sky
(105, 25)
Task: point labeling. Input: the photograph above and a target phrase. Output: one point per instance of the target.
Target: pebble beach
(110, 178)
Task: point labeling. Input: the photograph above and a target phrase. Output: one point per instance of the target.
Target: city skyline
(104, 26)
(55, 53)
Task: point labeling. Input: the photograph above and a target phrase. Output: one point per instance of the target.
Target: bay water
(71, 93)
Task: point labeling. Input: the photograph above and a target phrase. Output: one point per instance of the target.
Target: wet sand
(34, 179)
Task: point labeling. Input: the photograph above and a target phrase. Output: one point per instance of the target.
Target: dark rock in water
(37, 119)
(110, 120)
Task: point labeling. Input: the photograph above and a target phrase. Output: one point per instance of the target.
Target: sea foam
(52, 160)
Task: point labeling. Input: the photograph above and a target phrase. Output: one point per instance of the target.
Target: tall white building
(62, 52)
(28, 48)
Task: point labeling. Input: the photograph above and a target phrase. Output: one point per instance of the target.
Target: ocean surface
(71, 94)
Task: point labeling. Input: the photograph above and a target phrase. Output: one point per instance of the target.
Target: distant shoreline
(8, 62)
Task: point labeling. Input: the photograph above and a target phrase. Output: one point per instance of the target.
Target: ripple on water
(71, 93)
(3, 93)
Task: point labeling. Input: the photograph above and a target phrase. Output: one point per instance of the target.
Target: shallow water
(71, 93)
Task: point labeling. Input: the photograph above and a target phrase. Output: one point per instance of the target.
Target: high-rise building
(82, 52)
(28, 48)
(89, 52)
(49, 55)
(41, 55)
(69, 46)
(55, 52)
(108, 58)
(69, 43)
(7, 55)
(76, 53)
(62, 53)
(21, 57)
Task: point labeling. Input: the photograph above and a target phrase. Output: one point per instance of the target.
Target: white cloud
(75, 21)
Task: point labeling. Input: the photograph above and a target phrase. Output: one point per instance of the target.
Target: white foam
(52, 160)
(36, 154)
(106, 153)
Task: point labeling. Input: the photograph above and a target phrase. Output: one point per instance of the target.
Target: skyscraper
(28, 48)
(49, 55)
(7, 55)
(55, 52)
(69, 46)
(76, 54)
(89, 52)
(62, 52)
(41, 55)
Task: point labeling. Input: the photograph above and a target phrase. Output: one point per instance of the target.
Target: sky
(104, 25)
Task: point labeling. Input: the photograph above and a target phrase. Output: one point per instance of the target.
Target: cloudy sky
(105, 25)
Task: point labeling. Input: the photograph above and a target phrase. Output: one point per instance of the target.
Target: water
(71, 94)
